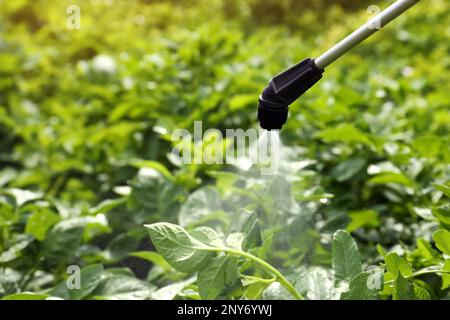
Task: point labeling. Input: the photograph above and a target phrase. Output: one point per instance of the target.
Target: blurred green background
(81, 109)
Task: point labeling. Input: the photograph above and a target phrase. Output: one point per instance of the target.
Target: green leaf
(213, 279)
(407, 290)
(89, 279)
(154, 165)
(348, 169)
(65, 237)
(178, 247)
(106, 206)
(199, 205)
(60, 291)
(232, 272)
(275, 291)
(443, 188)
(442, 214)
(40, 221)
(224, 180)
(446, 276)
(317, 283)
(8, 285)
(247, 222)
(345, 133)
(346, 259)
(391, 177)
(425, 254)
(190, 292)
(23, 196)
(363, 219)
(152, 257)
(241, 101)
(120, 287)
(428, 146)
(235, 240)
(154, 192)
(442, 239)
(424, 213)
(26, 296)
(120, 246)
(421, 293)
(119, 272)
(21, 242)
(403, 289)
(62, 241)
(10, 63)
(396, 264)
(280, 195)
(381, 250)
(170, 291)
(254, 291)
(365, 286)
(207, 236)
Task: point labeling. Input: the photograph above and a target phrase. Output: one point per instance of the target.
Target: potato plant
(93, 205)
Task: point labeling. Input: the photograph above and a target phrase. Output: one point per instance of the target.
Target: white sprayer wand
(289, 85)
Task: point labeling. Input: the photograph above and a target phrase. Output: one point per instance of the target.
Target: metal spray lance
(289, 85)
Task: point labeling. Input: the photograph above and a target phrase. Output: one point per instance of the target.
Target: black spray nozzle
(283, 90)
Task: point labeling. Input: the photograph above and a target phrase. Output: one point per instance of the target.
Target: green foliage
(193, 252)
(358, 210)
(346, 258)
(405, 290)
(397, 265)
(89, 279)
(359, 287)
(219, 274)
(25, 296)
(182, 250)
(442, 239)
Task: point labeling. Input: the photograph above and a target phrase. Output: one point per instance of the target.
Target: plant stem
(261, 280)
(26, 279)
(55, 188)
(267, 267)
(420, 273)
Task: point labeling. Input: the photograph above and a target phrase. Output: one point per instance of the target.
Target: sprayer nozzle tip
(271, 118)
